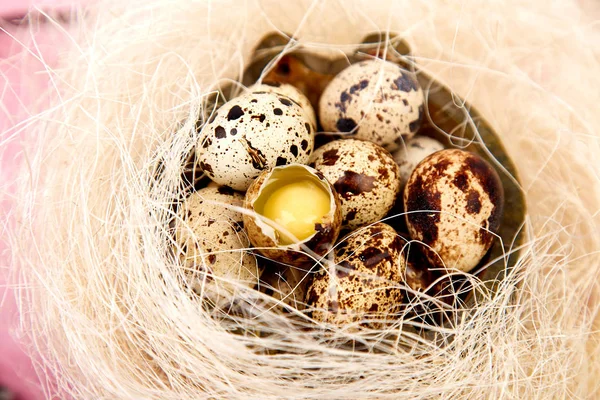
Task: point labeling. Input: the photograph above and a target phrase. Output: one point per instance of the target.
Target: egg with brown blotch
(427, 292)
(251, 133)
(290, 91)
(418, 277)
(375, 100)
(294, 211)
(211, 243)
(365, 176)
(285, 284)
(454, 202)
(364, 285)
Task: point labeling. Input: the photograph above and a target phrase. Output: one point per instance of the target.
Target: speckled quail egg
(286, 284)
(453, 202)
(365, 283)
(428, 295)
(295, 208)
(290, 91)
(251, 133)
(210, 241)
(365, 176)
(412, 153)
(376, 100)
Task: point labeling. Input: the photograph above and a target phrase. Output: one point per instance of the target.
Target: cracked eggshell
(365, 284)
(251, 133)
(365, 176)
(454, 202)
(376, 100)
(210, 238)
(264, 237)
(290, 91)
(408, 156)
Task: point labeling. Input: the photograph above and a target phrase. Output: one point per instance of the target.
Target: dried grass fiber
(101, 298)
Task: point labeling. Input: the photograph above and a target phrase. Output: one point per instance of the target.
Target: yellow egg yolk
(297, 207)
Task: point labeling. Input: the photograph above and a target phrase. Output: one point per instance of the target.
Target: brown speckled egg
(409, 155)
(286, 284)
(417, 276)
(265, 234)
(290, 91)
(251, 133)
(365, 283)
(210, 239)
(454, 200)
(365, 176)
(376, 100)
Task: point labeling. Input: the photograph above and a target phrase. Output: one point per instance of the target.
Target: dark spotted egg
(285, 284)
(376, 100)
(365, 282)
(454, 201)
(290, 91)
(211, 241)
(251, 133)
(364, 175)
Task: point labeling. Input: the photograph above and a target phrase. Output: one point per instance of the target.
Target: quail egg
(295, 208)
(365, 283)
(412, 153)
(251, 133)
(286, 284)
(211, 242)
(375, 100)
(454, 202)
(290, 91)
(364, 175)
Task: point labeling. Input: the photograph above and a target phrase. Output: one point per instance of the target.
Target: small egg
(251, 133)
(290, 91)
(454, 202)
(431, 298)
(210, 239)
(376, 100)
(418, 276)
(364, 175)
(367, 279)
(412, 153)
(285, 284)
(295, 208)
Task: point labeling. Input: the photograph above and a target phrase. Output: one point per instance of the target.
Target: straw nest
(101, 294)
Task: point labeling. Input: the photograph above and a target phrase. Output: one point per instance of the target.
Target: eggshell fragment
(211, 242)
(365, 176)
(365, 283)
(375, 100)
(251, 133)
(454, 202)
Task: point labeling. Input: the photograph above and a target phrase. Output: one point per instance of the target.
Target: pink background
(19, 81)
(10, 7)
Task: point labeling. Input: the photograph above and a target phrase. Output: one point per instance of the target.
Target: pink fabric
(20, 83)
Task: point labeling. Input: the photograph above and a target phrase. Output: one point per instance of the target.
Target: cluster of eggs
(299, 199)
